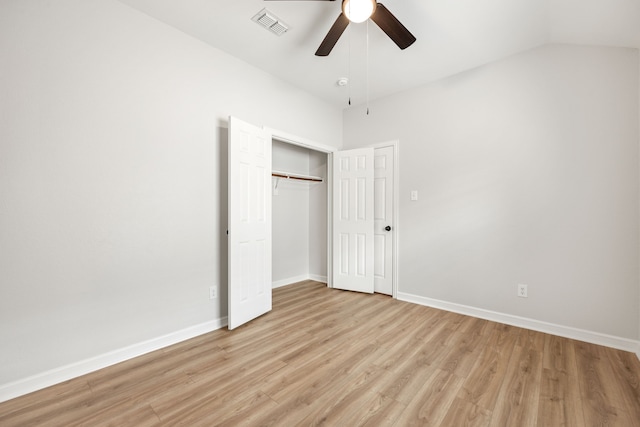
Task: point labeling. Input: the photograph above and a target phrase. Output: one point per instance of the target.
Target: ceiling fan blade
(333, 35)
(392, 27)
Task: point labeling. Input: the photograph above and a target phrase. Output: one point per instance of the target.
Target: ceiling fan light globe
(358, 11)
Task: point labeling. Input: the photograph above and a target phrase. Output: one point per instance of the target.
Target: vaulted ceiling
(452, 36)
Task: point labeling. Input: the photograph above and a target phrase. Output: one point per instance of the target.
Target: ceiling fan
(357, 11)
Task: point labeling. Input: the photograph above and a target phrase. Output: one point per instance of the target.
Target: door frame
(327, 149)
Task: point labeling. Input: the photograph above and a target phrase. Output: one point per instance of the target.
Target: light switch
(414, 195)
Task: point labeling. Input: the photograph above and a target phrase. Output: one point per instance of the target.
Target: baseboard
(74, 370)
(296, 279)
(289, 281)
(523, 322)
(318, 278)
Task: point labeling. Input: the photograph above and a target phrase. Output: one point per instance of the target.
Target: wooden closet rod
(286, 175)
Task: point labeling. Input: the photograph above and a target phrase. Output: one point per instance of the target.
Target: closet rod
(286, 175)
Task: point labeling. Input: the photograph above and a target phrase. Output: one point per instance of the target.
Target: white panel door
(352, 237)
(249, 222)
(383, 186)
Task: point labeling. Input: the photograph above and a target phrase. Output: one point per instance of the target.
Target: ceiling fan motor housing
(358, 11)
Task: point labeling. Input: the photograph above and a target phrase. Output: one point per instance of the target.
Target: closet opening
(299, 213)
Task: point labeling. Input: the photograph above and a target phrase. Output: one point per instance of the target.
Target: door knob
(388, 228)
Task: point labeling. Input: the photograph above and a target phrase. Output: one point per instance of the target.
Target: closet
(279, 224)
(299, 214)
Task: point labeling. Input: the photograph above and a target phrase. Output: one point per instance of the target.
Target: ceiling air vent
(271, 22)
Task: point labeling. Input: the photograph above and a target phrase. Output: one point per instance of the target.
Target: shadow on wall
(223, 168)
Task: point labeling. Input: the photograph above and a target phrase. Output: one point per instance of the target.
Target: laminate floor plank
(336, 358)
(483, 385)
(410, 347)
(462, 355)
(559, 354)
(408, 326)
(344, 410)
(463, 413)
(242, 413)
(304, 382)
(380, 411)
(560, 401)
(528, 339)
(503, 337)
(517, 403)
(626, 371)
(603, 399)
(214, 404)
(125, 416)
(356, 390)
(432, 402)
(407, 381)
(52, 403)
(212, 392)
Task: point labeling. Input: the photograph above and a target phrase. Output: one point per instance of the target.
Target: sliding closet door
(352, 238)
(249, 222)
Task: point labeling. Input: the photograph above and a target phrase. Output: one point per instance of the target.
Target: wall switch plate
(213, 292)
(414, 195)
(522, 291)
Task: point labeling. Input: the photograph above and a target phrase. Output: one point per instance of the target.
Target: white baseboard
(296, 279)
(74, 370)
(289, 281)
(523, 322)
(318, 278)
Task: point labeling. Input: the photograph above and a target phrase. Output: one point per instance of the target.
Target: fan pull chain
(367, 70)
(349, 65)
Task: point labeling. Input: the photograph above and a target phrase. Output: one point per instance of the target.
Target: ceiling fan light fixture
(358, 11)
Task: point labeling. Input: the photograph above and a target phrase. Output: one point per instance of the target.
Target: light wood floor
(327, 357)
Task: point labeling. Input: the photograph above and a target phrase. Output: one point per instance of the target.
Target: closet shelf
(296, 176)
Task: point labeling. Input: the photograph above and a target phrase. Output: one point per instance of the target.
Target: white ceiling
(452, 36)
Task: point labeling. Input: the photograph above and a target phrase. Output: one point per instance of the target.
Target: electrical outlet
(213, 292)
(522, 291)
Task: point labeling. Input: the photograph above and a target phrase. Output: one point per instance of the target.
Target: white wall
(527, 172)
(113, 177)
